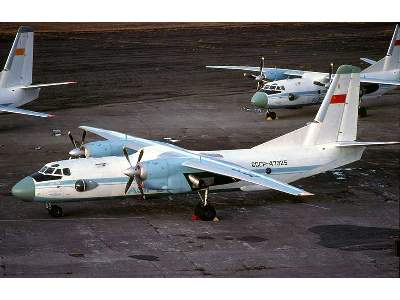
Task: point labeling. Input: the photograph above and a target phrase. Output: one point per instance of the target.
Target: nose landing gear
(54, 210)
(270, 115)
(203, 210)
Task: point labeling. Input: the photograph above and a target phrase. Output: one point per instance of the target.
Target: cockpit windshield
(50, 173)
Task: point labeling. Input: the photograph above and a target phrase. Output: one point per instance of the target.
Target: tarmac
(151, 82)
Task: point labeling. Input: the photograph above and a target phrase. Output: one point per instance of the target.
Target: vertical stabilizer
(18, 68)
(392, 59)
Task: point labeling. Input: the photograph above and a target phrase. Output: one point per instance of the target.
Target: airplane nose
(24, 189)
(260, 99)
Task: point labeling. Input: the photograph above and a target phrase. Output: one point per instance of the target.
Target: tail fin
(18, 68)
(337, 117)
(392, 59)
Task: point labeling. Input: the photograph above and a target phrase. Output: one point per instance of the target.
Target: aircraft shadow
(356, 238)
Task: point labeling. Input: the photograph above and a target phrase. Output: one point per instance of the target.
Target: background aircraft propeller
(134, 173)
(78, 151)
(260, 78)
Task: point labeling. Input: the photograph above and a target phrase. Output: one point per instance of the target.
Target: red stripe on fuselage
(397, 42)
(338, 99)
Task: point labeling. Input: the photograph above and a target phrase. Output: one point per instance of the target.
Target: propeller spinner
(134, 173)
(78, 151)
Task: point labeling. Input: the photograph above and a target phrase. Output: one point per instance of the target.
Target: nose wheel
(270, 115)
(203, 209)
(54, 210)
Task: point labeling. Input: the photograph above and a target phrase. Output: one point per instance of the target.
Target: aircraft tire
(272, 114)
(205, 213)
(56, 211)
(362, 112)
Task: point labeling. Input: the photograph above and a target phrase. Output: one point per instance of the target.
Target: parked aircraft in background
(16, 87)
(104, 169)
(284, 88)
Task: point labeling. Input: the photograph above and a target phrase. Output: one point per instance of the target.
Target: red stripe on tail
(338, 99)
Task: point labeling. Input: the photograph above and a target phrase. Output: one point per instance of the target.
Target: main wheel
(205, 213)
(56, 211)
(272, 114)
(362, 112)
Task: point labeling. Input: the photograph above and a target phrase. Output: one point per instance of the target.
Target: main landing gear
(203, 210)
(54, 210)
(362, 111)
(270, 115)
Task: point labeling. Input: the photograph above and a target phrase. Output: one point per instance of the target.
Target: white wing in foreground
(232, 170)
(133, 142)
(36, 86)
(24, 112)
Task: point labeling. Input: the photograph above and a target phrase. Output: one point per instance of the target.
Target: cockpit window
(39, 177)
(272, 87)
(49, 171)
(66, 172)
(58, 172)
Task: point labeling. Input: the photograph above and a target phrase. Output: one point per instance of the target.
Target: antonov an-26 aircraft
(100, 171)
(284, 88)
(16, 87)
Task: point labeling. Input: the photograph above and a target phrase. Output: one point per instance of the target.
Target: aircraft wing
(232, 170)
(36, 86)
(368, 60)
(24, 112)
(243, 68)
(380, 81)
(132, 142)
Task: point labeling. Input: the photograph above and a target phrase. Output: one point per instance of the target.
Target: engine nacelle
(105, 148)
(154, 174)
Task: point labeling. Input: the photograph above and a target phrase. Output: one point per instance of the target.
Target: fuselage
(308, 90)
(16, 97)
(103, 177)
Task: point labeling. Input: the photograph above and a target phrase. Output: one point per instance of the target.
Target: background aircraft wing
(24, 112)
(368, 60)
(380, 81)
(35, 86)
(232, 170)
(132, 142)
(244, 68)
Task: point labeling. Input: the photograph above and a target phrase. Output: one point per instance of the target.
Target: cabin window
(66, 172)
(282, 88)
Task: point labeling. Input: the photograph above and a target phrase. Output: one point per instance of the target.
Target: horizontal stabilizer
(36, 86)
(15, 110)
(364, 144)
(368, 60)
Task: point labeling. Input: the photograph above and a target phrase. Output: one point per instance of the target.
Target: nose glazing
(24, 189)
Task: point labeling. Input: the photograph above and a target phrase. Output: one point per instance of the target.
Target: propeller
(134, 173)
(260, 78)
(78, 151)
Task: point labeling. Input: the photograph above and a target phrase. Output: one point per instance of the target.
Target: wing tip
(305, 194)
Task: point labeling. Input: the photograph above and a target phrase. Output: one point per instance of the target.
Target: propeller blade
(72, 139)
(141, 192)
(140, 155)
(126, 155)
(262, 65)
(128, 184)
(83, 137)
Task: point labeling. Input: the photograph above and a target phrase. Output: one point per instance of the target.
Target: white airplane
(102, 172)
(284, 88)
(16, 87)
